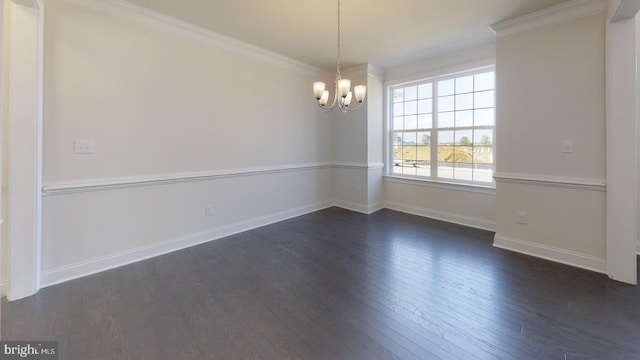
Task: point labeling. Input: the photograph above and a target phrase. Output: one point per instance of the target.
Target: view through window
(443, 128)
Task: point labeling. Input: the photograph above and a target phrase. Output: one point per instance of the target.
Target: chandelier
(342, 96)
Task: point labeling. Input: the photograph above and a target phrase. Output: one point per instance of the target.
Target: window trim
(434, 77)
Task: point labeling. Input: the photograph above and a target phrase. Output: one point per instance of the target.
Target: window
(443, 128)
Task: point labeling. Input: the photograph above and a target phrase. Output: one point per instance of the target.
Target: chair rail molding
(69, 187)
(592, 184)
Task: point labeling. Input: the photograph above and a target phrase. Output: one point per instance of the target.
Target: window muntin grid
(455, 114)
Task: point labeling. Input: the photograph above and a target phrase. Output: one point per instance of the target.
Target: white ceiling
(386, 33)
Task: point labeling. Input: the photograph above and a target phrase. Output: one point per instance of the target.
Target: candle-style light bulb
(347, 99)
(360, 92)
(324, 98)
(344, 86)
(318, 89)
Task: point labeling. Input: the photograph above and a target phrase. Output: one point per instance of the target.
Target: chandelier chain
(338, 69)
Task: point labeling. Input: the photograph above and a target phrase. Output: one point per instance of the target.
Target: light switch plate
(567, 146)
(84, 146)
(522, 218)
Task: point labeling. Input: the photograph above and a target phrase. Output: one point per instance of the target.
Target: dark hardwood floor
(337, 285)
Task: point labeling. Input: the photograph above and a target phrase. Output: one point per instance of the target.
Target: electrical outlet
(567, 146)
(84, 146)
(208, 210)
(522, 218)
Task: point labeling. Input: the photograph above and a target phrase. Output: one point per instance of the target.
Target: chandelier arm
(335, 98)
(354, 108)
(345, 109)
(328, 108)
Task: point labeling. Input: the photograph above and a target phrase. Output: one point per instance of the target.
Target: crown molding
(375, 71)
(591, 184)
(462, 60)
(157, 21)
(28, 3)
(554, 15)
(623, 10)
(365, 68)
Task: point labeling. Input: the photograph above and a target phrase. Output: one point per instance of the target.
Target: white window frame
(433, 78)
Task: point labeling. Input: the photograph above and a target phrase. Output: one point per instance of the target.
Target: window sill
(474, 188)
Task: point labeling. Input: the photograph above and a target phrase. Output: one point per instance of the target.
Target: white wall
(358, 146)
(458, 204)
(228, 127)
(551, 87)
(350, 150)
(375, 138)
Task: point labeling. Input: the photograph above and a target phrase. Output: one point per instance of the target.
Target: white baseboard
(111, 261)
(444, 216)
(3, 288)
(551, 253)
(358, 207)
